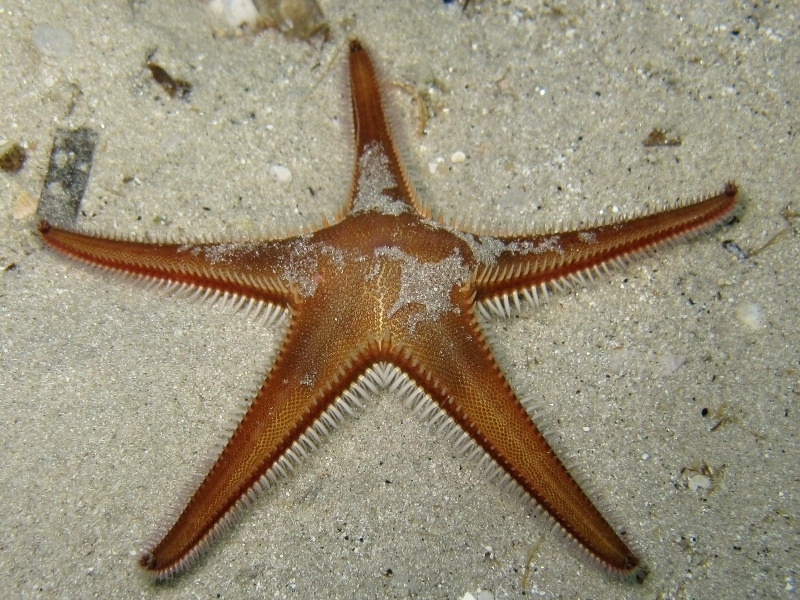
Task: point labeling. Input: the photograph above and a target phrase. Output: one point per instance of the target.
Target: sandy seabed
(672, 387)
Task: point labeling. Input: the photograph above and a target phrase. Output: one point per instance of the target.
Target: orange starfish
(387, 297)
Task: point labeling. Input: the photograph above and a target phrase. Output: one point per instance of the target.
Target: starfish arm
(530, 264)
(249, 270)
(292, 411)
(374, 140)
(475, 394)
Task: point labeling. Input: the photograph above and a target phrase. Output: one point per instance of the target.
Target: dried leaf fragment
(175, 88)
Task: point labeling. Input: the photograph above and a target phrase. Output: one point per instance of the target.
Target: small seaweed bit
(658, 138)
(175, 88)
(734, 249)
(12, 157)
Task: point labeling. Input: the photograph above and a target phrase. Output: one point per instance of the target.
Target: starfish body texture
(387, 297)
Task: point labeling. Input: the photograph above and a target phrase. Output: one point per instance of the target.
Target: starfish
(384, 296)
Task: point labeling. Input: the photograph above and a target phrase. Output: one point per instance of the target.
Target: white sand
(111, 397)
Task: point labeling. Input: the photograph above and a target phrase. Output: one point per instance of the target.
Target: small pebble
(281, 174)
(24, 205)
(618, 361)
(52, 40)
(670, 363)
(235, 12)
(750, 314)
(699, 481)
(458, 157)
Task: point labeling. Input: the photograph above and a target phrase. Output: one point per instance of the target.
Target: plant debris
(12, 157)
(657, 138)
(175, 88)
(67, 175)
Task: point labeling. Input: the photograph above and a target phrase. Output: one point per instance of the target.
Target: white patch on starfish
(487, 249)
(426, 285)
(302, 267)
(222, 253)
(373, 178)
